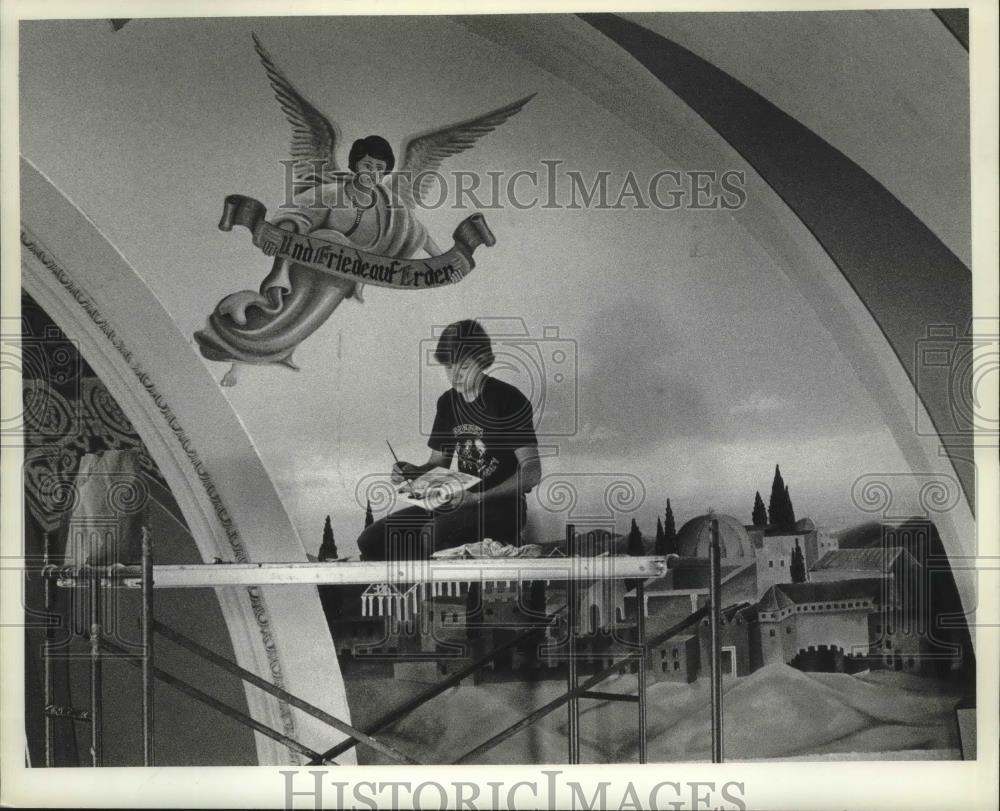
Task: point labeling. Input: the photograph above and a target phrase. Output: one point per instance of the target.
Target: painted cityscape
(838, 631)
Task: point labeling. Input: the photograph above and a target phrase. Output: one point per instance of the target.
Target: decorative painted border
(256, 596)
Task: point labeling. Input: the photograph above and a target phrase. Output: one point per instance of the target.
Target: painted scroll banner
(353, 264)
(312, 274)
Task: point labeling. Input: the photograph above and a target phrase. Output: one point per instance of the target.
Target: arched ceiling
(888, 89)
(900, 270)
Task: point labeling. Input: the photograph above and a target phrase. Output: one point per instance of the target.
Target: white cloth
(488, 548)
(104, 527)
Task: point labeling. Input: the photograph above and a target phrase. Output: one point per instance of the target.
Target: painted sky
(699, 366)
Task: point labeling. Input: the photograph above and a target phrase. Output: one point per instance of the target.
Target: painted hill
(776, 712)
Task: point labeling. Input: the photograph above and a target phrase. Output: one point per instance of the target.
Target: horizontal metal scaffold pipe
(618, 567)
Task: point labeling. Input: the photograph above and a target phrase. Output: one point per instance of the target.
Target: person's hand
(449, 497)
(404, 471)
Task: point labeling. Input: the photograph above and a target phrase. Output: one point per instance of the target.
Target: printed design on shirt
(471, 450)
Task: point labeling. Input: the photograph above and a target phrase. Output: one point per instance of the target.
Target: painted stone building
(898, 633)
(894, 563)
(826, 541)
(739, 637)
(773, 549)
(796, 618)
(769, 549)
(677, 659)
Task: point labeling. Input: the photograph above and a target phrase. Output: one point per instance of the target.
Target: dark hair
(462, 340)
(374, 146)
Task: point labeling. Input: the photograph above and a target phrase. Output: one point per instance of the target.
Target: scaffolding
(573, 569)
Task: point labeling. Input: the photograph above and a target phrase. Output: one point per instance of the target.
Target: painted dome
(694, 537)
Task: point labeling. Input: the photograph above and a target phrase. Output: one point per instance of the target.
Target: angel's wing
(314, 137)
(424, 152)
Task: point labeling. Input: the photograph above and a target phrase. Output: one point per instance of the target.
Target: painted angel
(352, 207)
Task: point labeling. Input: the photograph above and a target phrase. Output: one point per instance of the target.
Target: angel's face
(368, 171)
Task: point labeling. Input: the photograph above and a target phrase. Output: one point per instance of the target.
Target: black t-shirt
(485, 432)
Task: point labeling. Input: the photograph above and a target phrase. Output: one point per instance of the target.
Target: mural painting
(720, 324)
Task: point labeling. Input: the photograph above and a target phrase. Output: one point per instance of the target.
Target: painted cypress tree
(759, 511)
(789, 509)
(660, 546)
(369, 518)
(328, 549)
(776, 506)
(635, 546)
(798, 566)
(669, 532)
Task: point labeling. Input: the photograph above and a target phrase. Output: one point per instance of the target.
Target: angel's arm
(311, 208)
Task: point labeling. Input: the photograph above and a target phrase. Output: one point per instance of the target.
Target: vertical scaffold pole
(640, 591)
(96, 682)
(573, 705)
(147, 648)
(49, 694)
(715, 597)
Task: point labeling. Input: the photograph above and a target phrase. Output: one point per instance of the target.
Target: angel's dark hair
(374, 146)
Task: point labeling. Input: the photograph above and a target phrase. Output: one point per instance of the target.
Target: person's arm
(439, 459)
(404, 470)
(522, 480)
